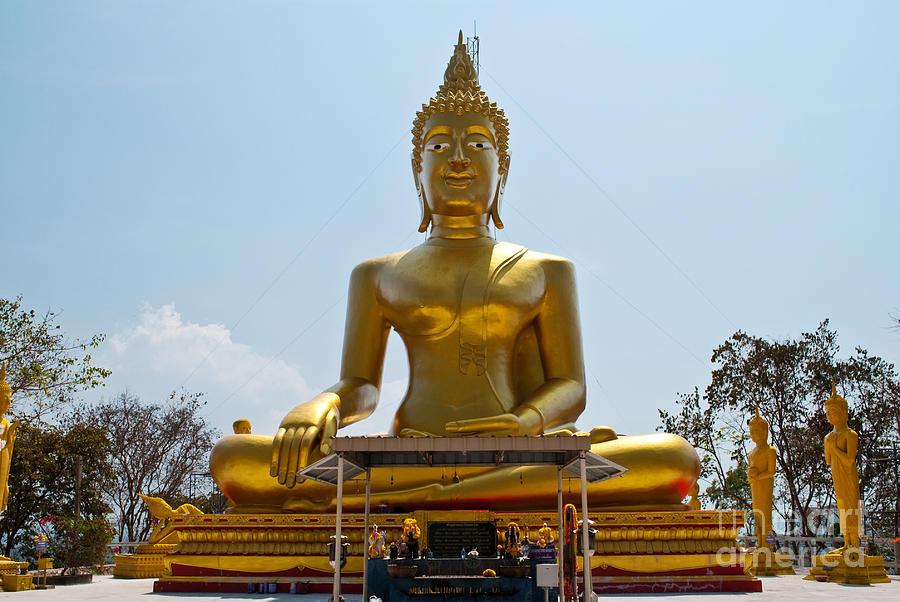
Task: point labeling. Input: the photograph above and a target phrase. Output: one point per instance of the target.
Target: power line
(278, 355)
(612, 289)
(612, 202)
(296, 256)
(296, 338)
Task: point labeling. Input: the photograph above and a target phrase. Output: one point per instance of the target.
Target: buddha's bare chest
(434, 292)
(837, 441)
(759, 457)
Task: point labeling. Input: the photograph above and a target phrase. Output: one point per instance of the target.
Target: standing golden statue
(494, 344)
(7, 438)
(840, 454)
(848, 563)
(761, 474)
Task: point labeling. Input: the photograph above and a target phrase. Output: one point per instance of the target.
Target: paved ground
(791, 588)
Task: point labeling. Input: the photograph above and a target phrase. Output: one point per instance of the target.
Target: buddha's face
(759, 433)
(836, 415)
(460, 165)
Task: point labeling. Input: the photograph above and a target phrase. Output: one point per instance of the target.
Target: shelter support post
(366, 535)
(588, 584)
(338, 547)
(559, 538)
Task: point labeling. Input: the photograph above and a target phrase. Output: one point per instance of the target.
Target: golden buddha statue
(761, 474)
(7, 438)
(694, 502)
(494, 345)
(840, 455)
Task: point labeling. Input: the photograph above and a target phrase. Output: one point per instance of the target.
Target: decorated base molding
(670, 552)
(849, 565)
(636, 551)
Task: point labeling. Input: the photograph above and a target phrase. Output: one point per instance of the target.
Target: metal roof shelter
(354, 456)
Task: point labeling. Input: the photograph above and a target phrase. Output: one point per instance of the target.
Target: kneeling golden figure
(494, 344)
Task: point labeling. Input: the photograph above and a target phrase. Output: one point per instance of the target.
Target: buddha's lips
(458, 180)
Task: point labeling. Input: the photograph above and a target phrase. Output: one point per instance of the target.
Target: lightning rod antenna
(473, 46)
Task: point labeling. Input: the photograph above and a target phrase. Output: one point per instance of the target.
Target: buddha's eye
(480, 145)
(437, 147)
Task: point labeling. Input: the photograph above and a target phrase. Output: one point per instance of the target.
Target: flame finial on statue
(836, 400)
(460, 75)
(460, 93)
(757, 419)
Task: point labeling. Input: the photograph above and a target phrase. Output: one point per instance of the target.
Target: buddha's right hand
(304, 433)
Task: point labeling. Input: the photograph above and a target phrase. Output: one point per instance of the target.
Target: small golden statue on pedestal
(7, 438)
(847, 564)
(7, 441)
(694, 492)
(761, 474)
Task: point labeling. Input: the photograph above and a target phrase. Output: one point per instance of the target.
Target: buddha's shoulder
(553, 266)
(370, 268)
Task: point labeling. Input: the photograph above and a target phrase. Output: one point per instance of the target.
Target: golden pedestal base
(10, 568)
(147, 561)
(17, 583)
(848, 566)
(686, 551)
(763, 562)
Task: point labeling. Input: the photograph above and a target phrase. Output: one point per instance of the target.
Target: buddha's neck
(459, 227)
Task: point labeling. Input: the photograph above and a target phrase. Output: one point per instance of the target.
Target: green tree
(44, 368)
(78, 543)
(788, 381)
(43, 478)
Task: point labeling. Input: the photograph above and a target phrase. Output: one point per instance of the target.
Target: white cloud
(158, 354)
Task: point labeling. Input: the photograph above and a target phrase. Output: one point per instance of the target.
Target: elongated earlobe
(495, 211)
(498, 197)
(426, 212)
(423, 203)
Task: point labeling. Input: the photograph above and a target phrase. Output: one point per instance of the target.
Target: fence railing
(124, 547)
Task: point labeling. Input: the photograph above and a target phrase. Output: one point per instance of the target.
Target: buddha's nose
(459, 162)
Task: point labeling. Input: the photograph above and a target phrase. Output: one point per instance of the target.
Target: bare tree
(154, 447)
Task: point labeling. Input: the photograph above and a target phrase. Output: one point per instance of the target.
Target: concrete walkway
(791, 588)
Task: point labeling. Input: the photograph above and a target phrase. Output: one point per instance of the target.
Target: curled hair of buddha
(460, 94)
(836, 401)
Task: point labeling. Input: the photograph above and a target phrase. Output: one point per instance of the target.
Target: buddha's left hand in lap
(525, 422)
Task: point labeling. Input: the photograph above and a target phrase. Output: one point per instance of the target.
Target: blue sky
(196, 180)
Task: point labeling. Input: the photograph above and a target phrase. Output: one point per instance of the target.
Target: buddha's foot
(304, 504)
